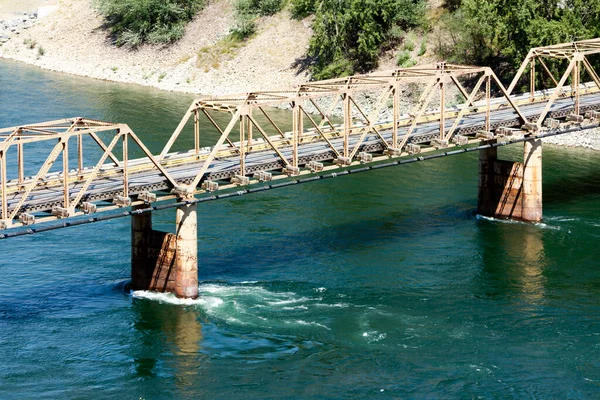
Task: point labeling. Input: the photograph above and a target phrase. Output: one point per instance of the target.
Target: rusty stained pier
(253, 148)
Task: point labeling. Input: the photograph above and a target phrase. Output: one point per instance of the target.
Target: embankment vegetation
(134, 22)
(499, 33)
(350, 35)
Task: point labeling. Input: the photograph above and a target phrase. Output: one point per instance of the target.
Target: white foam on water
(170, 298)
(334, 305)
(374, 336)
(249, 305)
(288, 301)
(541, 225)
(307, 323)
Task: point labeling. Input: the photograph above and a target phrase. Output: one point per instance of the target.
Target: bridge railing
(575, 64)
(314, 104)
(57, 137)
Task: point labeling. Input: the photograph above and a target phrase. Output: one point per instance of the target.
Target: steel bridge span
(460, 109)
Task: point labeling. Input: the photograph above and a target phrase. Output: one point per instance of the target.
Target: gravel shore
(73, 40)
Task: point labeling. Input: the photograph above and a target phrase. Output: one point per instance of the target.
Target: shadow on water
(571, 188)
(319, 241)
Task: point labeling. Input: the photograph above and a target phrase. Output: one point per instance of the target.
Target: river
(378, 285)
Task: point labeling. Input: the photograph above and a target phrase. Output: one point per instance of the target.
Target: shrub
(246, 13)
(423, 47)
(133, 22)
(349, 35)
(405, 59)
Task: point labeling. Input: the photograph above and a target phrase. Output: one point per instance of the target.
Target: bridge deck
(48, 195)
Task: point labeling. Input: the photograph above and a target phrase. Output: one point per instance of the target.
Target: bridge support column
(186, 253)
(141, 233)
(165, 262)
(511, 189)
(486, 198)
(532, 181)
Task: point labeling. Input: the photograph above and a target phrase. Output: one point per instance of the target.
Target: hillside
(72, 40)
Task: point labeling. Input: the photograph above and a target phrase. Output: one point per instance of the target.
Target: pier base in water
(511, 189)
(165, 262)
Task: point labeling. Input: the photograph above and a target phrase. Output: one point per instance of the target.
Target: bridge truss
(333, 124)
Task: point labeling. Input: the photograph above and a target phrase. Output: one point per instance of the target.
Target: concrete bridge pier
(511, 189)
(165, 262)
(186, 252)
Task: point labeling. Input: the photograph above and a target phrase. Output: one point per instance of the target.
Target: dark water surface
(379, 285)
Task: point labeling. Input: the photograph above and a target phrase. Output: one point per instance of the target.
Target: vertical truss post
(243, 124)
(488, 95)
(297, 131)
(532, 79)
(396, 116)
(249, 128)
(347, 123)
(197, 131)
(3, 178)
(20, 154)
(575, 83)
(125, 162)
(80, 154)
(65, 157)
(442, 109)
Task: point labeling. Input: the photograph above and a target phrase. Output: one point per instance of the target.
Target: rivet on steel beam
(392, 152)
(575, 118)
(122, 201)
(27, 219)
(365, 157)
(460, 140)
(413, 148)
(263, 176)
(240, 180)
(147, 197)
(210, 186)
(291, 171)
(315, 166)
(595, 115)
(60, 212)
(530, 127)
(551, 123)
(343, 161)
(89, 208)
(183, 192)
(439, 143)
(485, 135)
(512, 133)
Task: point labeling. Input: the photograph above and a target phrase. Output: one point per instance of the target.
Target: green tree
(501, 32)
(349, 34)
(133, 22)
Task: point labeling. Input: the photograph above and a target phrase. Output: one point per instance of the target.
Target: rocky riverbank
(73, 40)
(10, 28)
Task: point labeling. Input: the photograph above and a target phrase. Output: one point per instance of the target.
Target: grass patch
(30, 43)
(211, 57)
(405, 60)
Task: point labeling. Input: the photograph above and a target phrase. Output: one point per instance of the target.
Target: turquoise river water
(382, 285)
